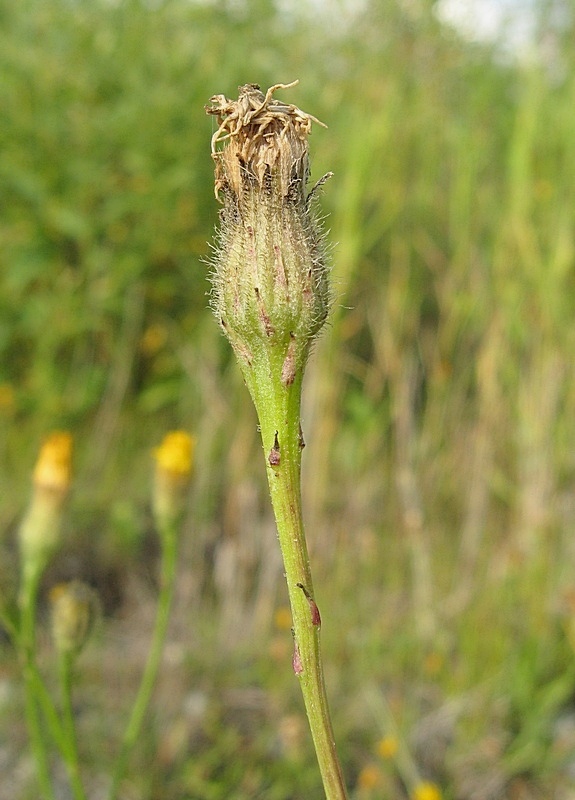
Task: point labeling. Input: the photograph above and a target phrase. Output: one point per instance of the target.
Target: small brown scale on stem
(315, 615)
(274, 457)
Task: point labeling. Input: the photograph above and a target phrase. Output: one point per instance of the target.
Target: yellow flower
(174, 463)
(53, 468)
(369, 777)
(426, 791)
(175, 454)
(387, 747)
(153, 339)
(282, 618)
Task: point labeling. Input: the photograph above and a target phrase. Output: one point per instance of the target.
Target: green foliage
(439, 409)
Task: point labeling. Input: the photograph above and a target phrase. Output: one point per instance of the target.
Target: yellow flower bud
(74, 609)
(40, 529)
(54, 465)
(426, 791)
(369, 777)
(175, 454)
(174, 464)
(388, 746)
(283, 618)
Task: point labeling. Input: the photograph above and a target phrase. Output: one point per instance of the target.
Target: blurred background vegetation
(439, 406)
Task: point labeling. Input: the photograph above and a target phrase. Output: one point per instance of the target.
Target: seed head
(270, 275)
(75, 607)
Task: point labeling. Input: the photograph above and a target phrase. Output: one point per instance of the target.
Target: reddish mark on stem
(315, 615)
(264, 317)
(289, 365)
(280, 272)
(296, 660)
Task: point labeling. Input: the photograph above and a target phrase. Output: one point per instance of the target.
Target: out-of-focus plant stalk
(174, 463)
(74, 609)
(38, 538)
(271, 297)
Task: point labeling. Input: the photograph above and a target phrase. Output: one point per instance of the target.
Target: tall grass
(440, 411)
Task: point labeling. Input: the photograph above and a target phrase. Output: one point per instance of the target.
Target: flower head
(40, 529)
(175, 455)
(369, 777)
(388, 746)
(270, 277)
(54, 465)
(426, 791)
(174, 465)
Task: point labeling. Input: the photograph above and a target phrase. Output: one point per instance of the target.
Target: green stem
(167, 584)
(41, 696)
(8, 623)
(70, 750)
(46, 705)
(27, 643)
(278, 409)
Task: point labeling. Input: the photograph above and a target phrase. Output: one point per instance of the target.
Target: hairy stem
(278, 409)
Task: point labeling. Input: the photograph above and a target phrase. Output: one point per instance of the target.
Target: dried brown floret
(261, 133)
